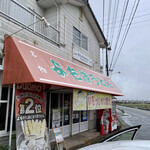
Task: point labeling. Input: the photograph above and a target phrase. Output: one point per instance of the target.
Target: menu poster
(58, 136)
(30, 117)
(56, 118)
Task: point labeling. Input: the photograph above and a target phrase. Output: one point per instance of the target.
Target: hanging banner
(86, 100)
(30, 117)
(79, 100)
(98, 101)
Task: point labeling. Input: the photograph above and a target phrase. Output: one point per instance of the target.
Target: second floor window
(80, 39)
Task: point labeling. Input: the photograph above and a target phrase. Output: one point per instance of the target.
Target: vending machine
(108, 119)
(104, 121)
(113, 119)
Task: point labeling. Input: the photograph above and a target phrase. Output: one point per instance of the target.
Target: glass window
(76, 33)
(76, 41)
(4, 93)
(9, 114)
(55, 111)
(3, 108)
(80, 39)
(84, 42)
(61, 100)
(66, 109)
(1, 61)
(76, 36)
(126, 136)
(76, 115)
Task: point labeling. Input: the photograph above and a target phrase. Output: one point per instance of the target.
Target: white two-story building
(68, 33)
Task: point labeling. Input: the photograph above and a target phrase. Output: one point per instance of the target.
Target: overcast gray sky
(134, 59)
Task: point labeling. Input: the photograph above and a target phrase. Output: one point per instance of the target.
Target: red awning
(25, 63)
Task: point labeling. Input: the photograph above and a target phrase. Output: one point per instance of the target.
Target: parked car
(122, 140)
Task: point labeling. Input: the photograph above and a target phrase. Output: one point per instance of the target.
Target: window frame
(80, 38)
(120, 133)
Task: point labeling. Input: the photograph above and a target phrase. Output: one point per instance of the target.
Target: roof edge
(92, 13)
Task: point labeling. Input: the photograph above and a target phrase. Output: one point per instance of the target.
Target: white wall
(51, 16)
(33, 5)
(71, 13)
(72, 16)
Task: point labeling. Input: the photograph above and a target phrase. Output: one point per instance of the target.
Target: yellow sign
(79, 100)
(98, 101)
(86, 100)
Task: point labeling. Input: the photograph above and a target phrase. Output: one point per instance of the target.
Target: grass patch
(122, 125)
(121, 110)
(4, 147)
(139, 106)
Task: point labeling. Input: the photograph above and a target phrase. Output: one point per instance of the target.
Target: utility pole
(107, 71)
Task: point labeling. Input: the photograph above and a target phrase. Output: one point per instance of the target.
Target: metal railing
(28, 19)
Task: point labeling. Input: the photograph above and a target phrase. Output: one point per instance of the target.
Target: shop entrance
(4, 107)
(80, 121)
(59, 113)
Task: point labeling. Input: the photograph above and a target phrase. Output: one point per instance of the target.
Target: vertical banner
(30, 117)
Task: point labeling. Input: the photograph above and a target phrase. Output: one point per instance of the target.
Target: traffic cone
(102, 129)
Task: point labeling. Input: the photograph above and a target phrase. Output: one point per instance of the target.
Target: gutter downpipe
(11, 121)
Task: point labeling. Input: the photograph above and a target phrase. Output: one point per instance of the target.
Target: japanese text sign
(86, 100)
(30, 116)
(41, 66)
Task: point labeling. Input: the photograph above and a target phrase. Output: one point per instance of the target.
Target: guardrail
(28, 19)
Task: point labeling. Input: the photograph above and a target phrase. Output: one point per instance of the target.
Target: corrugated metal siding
(5, 6)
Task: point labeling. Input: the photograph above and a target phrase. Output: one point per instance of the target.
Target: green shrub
(4, 147)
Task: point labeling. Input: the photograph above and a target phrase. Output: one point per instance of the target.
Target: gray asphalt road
(138, 117)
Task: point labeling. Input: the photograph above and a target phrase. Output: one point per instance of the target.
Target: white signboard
(81, 57)
(58, 136)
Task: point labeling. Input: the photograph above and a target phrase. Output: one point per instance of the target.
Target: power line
(109, 12)
(103, 12)
(121, 23)
(127, 14)
(128, 19)
(115, 16)
(142, 21)
(126, 33)
(103, 31)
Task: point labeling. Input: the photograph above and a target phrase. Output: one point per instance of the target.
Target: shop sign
(30, 116)
(56, 118)
(98, 101)
(86, 100)
(47, 68)
(58, 136)
(81, 76)
(81, 57)
(79, 100)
